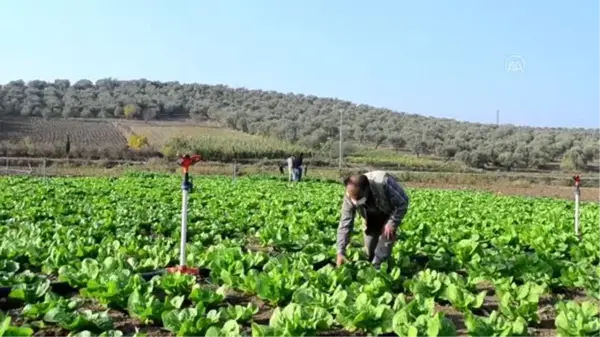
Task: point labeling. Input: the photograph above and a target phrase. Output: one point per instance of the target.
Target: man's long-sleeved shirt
(297, 162)
(389, 199)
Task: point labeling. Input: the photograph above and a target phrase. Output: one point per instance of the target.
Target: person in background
(294, 164)
(379, 199)
(297, 165)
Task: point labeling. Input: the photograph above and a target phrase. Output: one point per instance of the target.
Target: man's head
(357, 188)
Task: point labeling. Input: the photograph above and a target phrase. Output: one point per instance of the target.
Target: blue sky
(437, 58)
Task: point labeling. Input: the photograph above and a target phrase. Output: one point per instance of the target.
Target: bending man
(382, 202)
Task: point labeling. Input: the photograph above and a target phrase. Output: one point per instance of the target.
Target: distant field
(37, 131)
(36, 137)
(389, 158)
(108, 139)
(214, 142)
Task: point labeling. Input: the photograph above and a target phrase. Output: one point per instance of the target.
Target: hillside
(307, 120)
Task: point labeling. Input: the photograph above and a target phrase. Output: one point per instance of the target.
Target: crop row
(82, 133)
(465, 263)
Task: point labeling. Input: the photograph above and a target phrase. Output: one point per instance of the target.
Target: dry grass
(160, 133)
(215, 143)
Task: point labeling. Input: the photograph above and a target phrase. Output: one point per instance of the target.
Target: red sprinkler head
(187, 161)
(577, 180)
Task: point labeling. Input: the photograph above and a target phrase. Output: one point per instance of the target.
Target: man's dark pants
(377, 247)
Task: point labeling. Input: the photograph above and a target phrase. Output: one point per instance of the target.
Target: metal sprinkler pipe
(186, 187)
(577, 194)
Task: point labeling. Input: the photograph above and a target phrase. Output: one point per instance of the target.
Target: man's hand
(340, 260)
(389, 232)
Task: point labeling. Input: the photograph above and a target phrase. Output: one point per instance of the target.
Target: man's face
(357, 197)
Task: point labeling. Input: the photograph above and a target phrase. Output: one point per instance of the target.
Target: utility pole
(577, 196)
(495, 140)
(341, 140)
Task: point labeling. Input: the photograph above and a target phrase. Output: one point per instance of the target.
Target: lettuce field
(83, 256)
